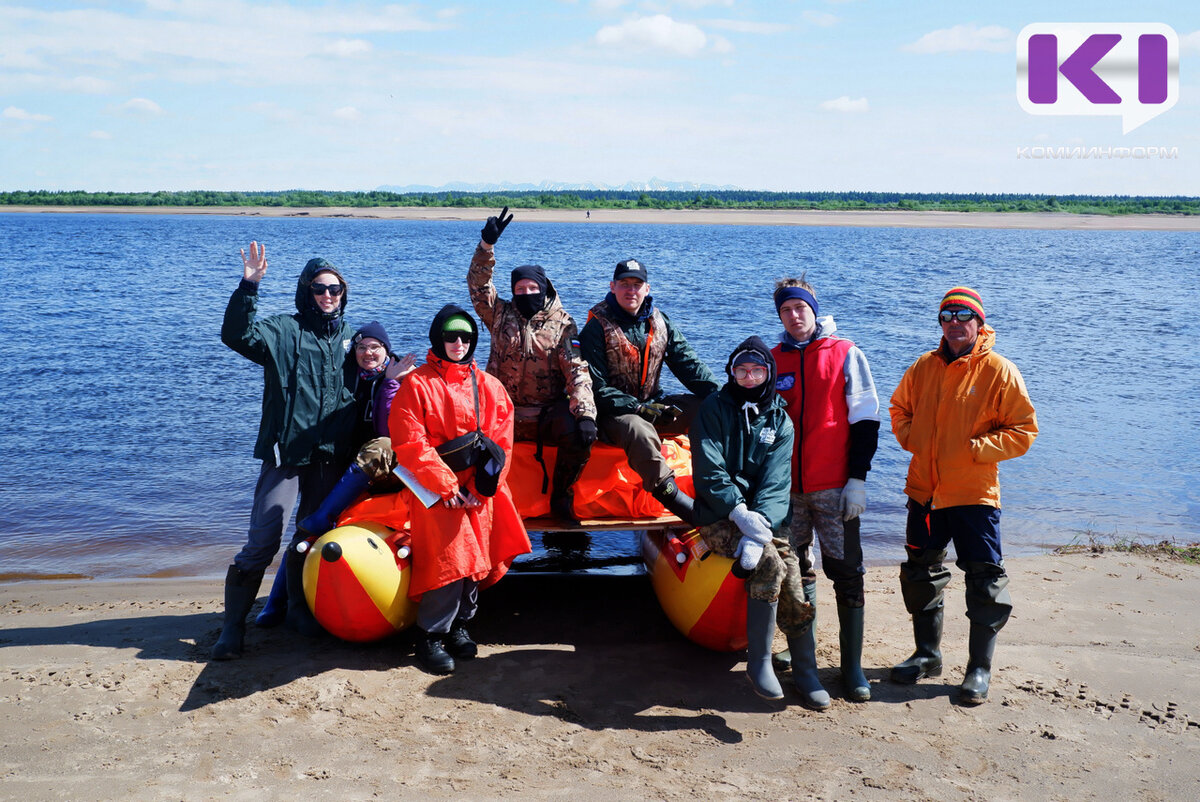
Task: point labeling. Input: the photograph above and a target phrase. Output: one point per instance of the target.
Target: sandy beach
(583, 686)
(874, 219)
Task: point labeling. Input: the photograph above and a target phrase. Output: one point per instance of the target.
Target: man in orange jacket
(959, 409)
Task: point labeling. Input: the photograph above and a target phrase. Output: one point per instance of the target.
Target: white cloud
(658, 32)
(14, 113)
(745, 26)
(100, 135)
(821, 19)
(989, 38)
(846, 105)
(348, 113)
(141, 106)
(88, 85)
(1190, 42)
(348, 48)
(605, 6)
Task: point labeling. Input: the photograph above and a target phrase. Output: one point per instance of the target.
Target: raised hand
(400, 367)
(254, 267)
(495, 226)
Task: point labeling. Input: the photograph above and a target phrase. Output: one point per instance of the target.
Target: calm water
(128, 427)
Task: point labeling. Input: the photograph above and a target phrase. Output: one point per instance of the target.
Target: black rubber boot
(980, 648)
(760, 634)
(299, 617)
(675, 500)
(850, 637)
(353, 482)
(803, 648)
(562, 488)
(926, 661)
(241, 589)
(458, 643)
(432, 655)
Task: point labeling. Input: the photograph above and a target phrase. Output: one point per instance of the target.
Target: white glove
(753, 525)
(748, 553)
(854, 498)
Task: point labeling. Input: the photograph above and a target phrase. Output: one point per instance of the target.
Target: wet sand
(583, 687)
(874, 219)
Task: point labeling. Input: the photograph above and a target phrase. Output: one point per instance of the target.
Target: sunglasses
(961, 315)
(456, 336)
(327, 289)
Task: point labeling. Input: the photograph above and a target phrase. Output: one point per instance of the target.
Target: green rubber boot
(760, 634)
(803, 648)
(850, 639)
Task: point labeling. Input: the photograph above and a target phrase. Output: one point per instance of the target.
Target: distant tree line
(619, 199)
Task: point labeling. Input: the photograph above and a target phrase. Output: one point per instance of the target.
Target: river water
(128, 427)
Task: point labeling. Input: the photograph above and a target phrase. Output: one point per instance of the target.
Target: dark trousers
(641, 440)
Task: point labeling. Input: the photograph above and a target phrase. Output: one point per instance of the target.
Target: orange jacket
(959, 420)
(433, 405)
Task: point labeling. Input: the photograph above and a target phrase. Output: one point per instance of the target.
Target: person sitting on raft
(376, 374)
(626, 342)
(535, 353)
(741, 465)
(452, 427)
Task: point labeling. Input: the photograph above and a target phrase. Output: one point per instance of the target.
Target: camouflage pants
(376, 459)
(820, 514)
(777, 577)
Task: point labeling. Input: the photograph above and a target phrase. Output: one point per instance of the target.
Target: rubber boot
(760, 634)
(926, 661)
(353, 482)
(675, 500)
(803, 648)
(980, 648)
(850, 638)
(275, 610)
(458, 643)
(782, 660)
(241, 589)
(432, 655)
(562, 488)
(299, 617)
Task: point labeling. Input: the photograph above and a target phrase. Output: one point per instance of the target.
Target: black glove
(495, 226)
(652, 412)
(587, 431)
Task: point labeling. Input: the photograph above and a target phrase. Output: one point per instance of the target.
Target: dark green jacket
(679, 358)
(734, 463)
(307, 405)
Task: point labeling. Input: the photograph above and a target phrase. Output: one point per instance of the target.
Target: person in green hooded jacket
(304, 435)
(742, 469)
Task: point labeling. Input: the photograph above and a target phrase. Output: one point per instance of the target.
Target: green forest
(616, 199)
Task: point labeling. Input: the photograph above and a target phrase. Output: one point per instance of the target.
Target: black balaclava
(530, 305)
(439, 322)
(758, 352)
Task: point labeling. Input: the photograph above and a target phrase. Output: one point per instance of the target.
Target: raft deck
(597, 545)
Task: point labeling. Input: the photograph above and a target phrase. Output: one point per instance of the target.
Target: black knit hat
(533, 273)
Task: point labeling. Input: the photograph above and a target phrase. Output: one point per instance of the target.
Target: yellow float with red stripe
(696, 589)
(356, 582)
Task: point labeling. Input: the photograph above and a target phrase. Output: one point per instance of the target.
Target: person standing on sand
(304, 434)
(959, 409)
(535, 354)
(742, 466)
(626, 342)
(826, 383)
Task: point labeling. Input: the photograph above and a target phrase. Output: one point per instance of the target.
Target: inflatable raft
(356, 576)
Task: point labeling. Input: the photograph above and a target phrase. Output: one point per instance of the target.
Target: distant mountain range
(653, 185)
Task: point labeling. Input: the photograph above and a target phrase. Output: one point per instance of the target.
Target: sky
(853, 95)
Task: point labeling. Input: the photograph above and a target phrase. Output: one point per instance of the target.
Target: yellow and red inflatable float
(356, 576)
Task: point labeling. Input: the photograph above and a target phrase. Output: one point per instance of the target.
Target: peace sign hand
(255, 267)
(495, 226)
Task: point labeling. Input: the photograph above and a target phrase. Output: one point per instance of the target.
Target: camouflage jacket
(538, 359)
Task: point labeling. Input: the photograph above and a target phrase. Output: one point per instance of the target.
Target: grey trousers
(440, 607)
(275, 496)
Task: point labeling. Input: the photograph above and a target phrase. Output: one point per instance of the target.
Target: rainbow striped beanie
(964, 296)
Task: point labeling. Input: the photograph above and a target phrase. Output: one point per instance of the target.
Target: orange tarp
(608, 487)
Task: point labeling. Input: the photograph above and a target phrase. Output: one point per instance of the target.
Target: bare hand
(255, 267)
(399, 368)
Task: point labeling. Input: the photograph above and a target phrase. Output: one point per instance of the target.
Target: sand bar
(582, 684)
(872, 219)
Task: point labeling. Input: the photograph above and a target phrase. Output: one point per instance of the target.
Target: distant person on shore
(535, 354)
(626, 342)
(377, 374)
(452, 427)
(959, 409)
(742, 466)
(826, 383)
(304, 435)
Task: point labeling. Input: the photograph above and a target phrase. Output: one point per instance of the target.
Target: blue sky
(850, 95)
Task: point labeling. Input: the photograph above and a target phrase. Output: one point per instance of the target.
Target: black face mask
(529, 305)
